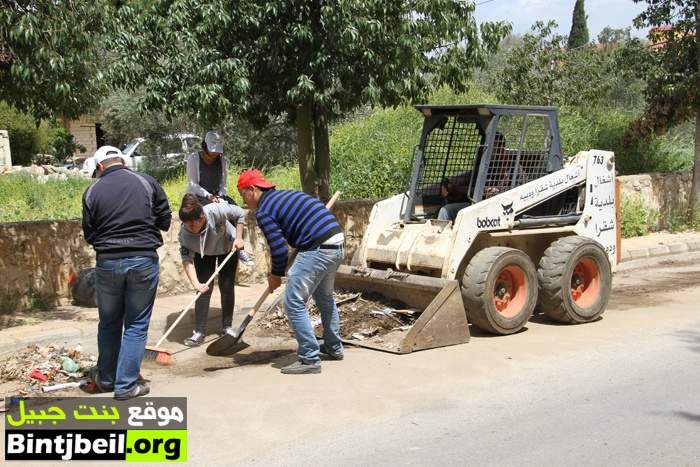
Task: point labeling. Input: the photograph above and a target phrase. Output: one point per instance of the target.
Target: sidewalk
(659, 244)
(79, 325)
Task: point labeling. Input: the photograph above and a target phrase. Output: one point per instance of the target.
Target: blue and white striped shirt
(296, 219)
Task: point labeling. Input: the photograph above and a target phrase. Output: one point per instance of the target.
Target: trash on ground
(35, 366)
(362, 315)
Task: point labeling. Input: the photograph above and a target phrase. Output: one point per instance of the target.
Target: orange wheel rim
(510, 291)
(585, 282)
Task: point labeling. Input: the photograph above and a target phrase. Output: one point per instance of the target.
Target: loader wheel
(499, 288)
(575, 280)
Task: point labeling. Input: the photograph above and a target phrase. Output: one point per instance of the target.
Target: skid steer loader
(533, 230)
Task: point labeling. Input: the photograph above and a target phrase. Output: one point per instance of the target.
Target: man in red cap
(296, 219)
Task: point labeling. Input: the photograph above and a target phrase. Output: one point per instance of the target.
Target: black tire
(83, 290)
(567, 271)
(484, 273)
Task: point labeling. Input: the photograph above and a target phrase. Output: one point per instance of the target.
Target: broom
(226, 342)
(161, 355)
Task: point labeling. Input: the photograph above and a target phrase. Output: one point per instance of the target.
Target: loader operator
(499, 174)
(296, 219)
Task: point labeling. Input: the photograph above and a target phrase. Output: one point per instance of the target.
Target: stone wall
(666, 193)
(37, 259)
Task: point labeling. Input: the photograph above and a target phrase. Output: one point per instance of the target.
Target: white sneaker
(245, 258)
(229, 330)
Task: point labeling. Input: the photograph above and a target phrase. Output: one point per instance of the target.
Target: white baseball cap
(107, 152)
(214, 141)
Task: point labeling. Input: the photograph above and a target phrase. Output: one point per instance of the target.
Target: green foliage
(541, 71)
(25, 198)
(672, 74)
(62, 144)
(578, 37)
(52, 55)
(372, 156)
(611, 37)
(309, 61)
(26, 139)
(606, 129)
(636, 219)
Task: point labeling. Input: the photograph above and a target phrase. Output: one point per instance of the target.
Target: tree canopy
(578, 37)
(310, 61)
(51, 55)
(672, 71)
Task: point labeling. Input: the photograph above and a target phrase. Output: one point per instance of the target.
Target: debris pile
(37, 366)
(362, 315)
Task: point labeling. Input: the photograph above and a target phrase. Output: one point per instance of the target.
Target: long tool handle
(266, 293)
(187, 308)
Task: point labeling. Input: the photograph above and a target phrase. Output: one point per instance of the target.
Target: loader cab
(484, 149)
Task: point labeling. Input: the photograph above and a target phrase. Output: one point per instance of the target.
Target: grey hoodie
(218, 234)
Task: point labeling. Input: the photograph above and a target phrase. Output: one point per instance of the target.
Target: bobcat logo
(507, 209)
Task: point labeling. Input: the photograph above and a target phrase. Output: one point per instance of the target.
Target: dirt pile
(362, 315)
(36, 366)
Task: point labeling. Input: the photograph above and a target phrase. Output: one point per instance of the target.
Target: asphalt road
(622, 391)
(629, 396)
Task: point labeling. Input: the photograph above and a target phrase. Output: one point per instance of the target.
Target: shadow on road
(687, 415)
(690, 337)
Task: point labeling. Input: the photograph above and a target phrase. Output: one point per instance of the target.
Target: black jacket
(123, 212)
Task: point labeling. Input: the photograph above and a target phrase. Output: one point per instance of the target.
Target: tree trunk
(695, 188)
(322, 152)
(305, 156)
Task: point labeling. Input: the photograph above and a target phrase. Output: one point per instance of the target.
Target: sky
(523, 13)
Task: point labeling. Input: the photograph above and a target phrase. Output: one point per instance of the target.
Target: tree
(312, 61)
(51, 58)
(578, 37)
(611, 37)
(541, 71)
(673, 77)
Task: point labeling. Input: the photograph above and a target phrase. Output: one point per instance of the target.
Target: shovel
(225, 344)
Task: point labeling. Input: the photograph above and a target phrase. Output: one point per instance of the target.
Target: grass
(26, 198)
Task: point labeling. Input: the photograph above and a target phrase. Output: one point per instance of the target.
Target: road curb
(660, 250)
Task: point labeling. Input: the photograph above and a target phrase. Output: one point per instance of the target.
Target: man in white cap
(123, 214)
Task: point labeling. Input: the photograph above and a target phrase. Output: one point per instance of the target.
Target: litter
(35, 367)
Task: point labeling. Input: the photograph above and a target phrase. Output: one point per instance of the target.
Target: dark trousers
(205, 267)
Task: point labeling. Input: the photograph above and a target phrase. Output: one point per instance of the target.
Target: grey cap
(214, 141)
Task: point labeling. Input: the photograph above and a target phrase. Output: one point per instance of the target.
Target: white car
(172, 148)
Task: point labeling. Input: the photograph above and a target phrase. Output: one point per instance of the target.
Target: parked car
(170, 150)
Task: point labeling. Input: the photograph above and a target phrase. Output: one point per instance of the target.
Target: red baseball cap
(252, 177)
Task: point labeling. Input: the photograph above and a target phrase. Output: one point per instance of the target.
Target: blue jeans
(313, 274)
(449, 211)
(126, 290)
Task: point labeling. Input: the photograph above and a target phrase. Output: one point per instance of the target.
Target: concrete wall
(38, 258)
(83, 130)
(666, 193)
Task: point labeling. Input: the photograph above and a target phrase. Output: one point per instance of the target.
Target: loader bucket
(443, 320)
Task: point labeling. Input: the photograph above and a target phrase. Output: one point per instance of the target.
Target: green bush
(636, 219)
(26, 198)
(605, 129)
(371, 156)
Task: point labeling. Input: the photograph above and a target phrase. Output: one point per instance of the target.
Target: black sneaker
(142, 388)
(333, 355)
(301, 368)
(195, 340)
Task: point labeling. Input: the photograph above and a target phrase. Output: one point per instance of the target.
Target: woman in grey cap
(206, 176)
(206, 170)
